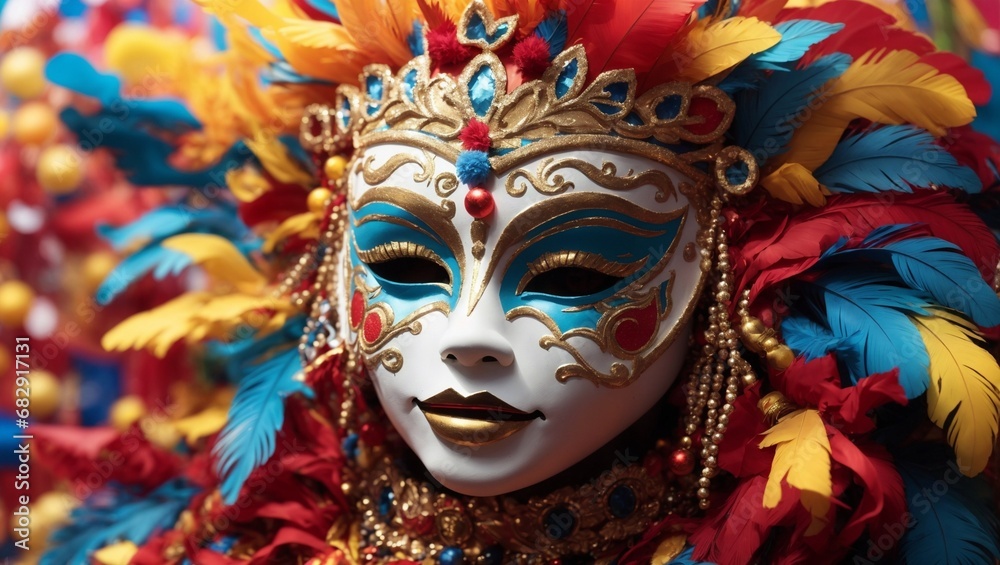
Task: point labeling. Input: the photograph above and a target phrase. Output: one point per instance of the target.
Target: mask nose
(473, 340)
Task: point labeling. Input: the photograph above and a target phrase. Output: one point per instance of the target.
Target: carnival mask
(521, 265)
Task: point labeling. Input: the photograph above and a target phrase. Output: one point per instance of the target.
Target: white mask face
(507, 349)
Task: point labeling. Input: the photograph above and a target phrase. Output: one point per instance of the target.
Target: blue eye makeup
(569, 265)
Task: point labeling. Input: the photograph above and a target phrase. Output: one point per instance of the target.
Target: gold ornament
(4, 123)
(34, 123)
(22, 72)
(127, 411)
(334, 167)
(45, 394)
(16, 299)
(317, 200)
(60, 169)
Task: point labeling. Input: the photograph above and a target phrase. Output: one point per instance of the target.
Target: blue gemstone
(621, 502)
(451, 556)
(492, 555)
(385, 501)
(559, 523)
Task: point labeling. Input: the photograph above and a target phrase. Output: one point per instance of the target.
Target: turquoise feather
(255, 416)
(867, 312)
(893, 158)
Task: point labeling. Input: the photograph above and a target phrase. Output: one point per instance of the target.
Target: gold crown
(678, 123)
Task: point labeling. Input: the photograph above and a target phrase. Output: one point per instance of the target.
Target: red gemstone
(373, 327)
(681, 462)
(710, 113)
(479, 203)
(357, 309)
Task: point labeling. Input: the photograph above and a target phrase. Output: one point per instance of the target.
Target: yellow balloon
(127, 411)
(60, 169)
(34, 123)
(45, 394)
(15, 303)
(22, 72)
(96, 267)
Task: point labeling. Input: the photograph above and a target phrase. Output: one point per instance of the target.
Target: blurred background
(60, 202)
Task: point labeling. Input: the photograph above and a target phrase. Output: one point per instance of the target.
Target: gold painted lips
(475, 420)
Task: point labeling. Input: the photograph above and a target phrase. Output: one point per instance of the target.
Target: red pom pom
(531, 55)
(479, 203)
(444, 48)
(475, 136)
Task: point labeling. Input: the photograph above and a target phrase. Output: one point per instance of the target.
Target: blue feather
(256, 415)
(767, 117)
(808, 338)
(866, 312)
(554, 30)
(172, 219)
(951, 515)
(162, 262)
(114, 515)
(893, 158)
(239, 356)
(797, 36)
(936, 267)
(416, 39)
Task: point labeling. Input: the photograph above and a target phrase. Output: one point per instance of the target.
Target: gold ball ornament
(22, 72)
(60, 169)
(4, 123)
(126, 411)
(96, 267)
(334, 167)
(34, 123)
(16, 299)
(45, 394)
(317, 200)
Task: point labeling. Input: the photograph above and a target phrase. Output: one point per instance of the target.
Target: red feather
(737, 529)
(978, 151)
(782, 246)
(883, 502)
(738, 453)
(817, 384)
(626, 35)
(976, 86)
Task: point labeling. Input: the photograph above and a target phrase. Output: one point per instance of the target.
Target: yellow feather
(120, 553)
(802, 458)
(970, 23)
(321, 49)
(220, 259)
(794, 183)
(714, 47)
(202, 424)
(380, 28)
(892, 89)
(246, 184)
(277, 161)
(964, 395)
(304, 225)
(166, 323)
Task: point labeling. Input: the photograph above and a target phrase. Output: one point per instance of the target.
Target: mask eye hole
(405, 262)
(571, 281)
(410, 270)
(575, 273)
